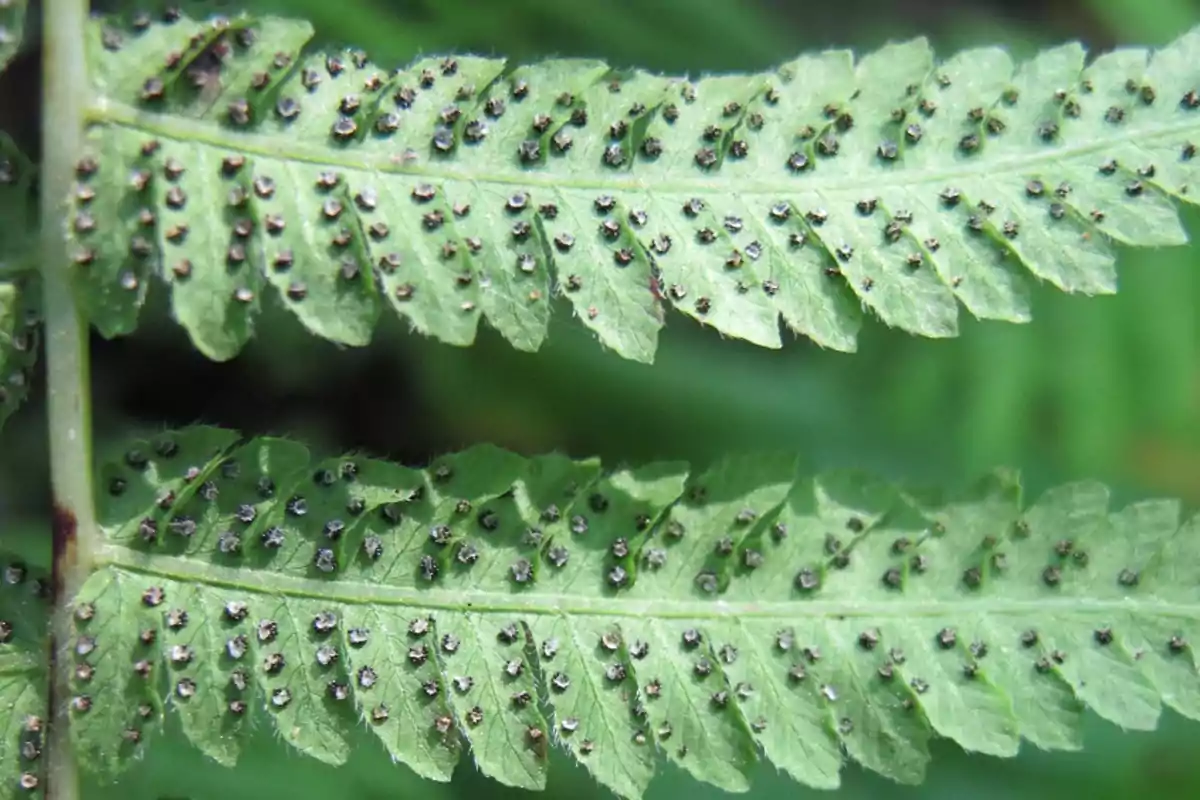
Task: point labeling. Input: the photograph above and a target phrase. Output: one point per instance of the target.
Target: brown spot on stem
(64, 530)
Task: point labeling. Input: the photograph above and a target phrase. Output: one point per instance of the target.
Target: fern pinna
(19, 315)
(228, 160)
(508, 605)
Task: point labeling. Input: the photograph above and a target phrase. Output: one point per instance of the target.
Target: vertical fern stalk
(65, 82)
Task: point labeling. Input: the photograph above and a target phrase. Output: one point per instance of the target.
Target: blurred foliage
(1097, 387)
(12, 29)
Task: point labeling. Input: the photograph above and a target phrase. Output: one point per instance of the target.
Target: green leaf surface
(464, 188)
(23, 676)
(504, 605)
(17, 206)
(18, 342)
(19, 295)
(12, 29)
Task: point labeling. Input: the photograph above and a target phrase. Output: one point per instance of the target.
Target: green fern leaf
(18, 343)
(12, 29)
(23, 676)
(508, 604)
(18, 229)
(19, 295)
(467, 188)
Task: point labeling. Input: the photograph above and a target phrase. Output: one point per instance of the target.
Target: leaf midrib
(189, 570)
(106, 110)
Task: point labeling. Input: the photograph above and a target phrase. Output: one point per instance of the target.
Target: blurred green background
(1104, 388)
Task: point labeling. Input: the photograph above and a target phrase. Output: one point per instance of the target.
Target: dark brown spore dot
(798, 162)
(893, 578)
(947, 638)
(238, 112)
(705, 157)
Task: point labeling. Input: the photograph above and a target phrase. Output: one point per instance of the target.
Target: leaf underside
(226, 159)
(23, 676)
(18, 344)
(12, 29)
(505, 605)
(19, 298)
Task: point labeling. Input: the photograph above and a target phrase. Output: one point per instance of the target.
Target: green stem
(69, 413)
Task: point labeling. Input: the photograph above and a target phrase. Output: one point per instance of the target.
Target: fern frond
(19, 298)
(18, 229)
(23, 675)
(510, 604)
(12, 29)
(226, 158)
(18, 342)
